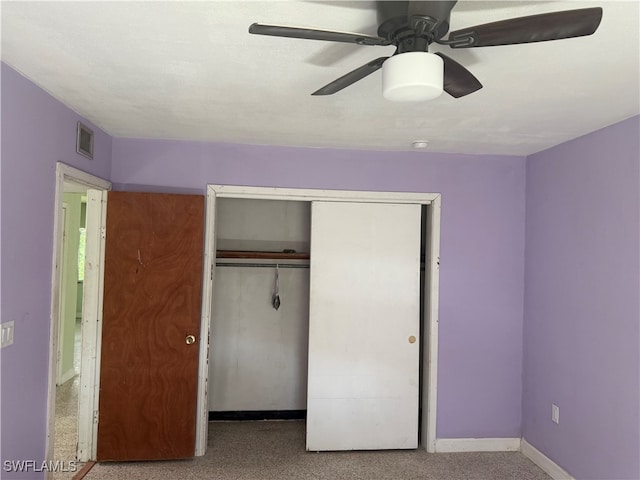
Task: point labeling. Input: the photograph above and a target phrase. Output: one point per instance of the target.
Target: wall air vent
(84, 141)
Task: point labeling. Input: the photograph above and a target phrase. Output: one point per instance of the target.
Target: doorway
(428, 356)
(70, 324)
(75, 300)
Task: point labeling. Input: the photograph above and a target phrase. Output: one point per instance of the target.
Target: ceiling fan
(412, 73)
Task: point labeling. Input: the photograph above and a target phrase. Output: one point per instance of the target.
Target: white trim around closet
(430, 361)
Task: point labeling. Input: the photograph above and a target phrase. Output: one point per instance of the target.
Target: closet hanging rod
(261, 265)
(284, 255)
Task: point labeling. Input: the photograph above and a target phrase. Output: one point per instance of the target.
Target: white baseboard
(552, 469)
(66, 376)
(477, 445)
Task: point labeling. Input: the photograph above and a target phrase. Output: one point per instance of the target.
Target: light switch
(555, 413)
(7, 333)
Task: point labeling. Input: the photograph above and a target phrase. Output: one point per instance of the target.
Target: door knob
(190, 339)
(412, 339)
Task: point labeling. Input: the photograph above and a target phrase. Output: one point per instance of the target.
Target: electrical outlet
(7, 334)
(555, 413)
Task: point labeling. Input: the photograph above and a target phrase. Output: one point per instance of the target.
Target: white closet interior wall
(258, 355)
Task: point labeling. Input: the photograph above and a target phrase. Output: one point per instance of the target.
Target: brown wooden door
(152, 295)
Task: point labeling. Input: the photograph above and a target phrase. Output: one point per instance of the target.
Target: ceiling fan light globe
(412, 77)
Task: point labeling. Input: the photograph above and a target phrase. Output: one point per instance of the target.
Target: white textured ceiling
(190, 70)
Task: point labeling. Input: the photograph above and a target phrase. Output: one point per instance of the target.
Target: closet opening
(295, 334)
(260, 311)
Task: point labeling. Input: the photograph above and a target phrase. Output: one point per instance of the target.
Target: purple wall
(581, 313)
(581, 330)
(37, 131)
(481, 289)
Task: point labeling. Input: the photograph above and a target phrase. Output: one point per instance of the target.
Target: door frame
(432, 267)
(91, 307)
(64, 251)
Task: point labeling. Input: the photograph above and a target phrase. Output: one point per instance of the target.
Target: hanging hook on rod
(275, 298)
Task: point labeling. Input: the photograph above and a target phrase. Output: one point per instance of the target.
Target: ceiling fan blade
(458, 81)
(534, 28)
(351, 77)
(313, 34)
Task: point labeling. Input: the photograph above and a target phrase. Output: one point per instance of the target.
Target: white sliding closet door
(364, 323)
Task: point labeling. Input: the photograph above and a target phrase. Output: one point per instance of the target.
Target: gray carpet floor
(276, 450)
(65, 439)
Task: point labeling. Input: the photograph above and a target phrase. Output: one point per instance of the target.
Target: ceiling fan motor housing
(395, 17)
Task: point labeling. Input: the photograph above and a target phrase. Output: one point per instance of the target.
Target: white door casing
(91, 310)
(429, 359)
(64, 247)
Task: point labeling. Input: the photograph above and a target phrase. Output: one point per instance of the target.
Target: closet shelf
(262, 255)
